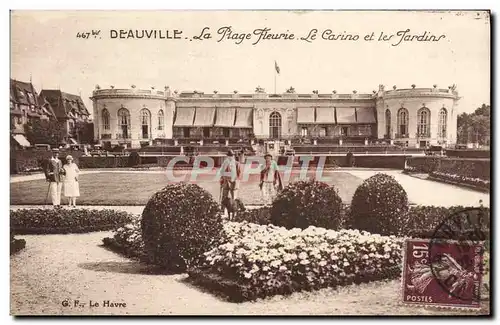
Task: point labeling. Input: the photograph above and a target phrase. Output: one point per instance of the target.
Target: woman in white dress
(71, 186)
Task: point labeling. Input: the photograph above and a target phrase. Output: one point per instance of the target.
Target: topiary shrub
(179, 223)
(134, 159)
(379, 205)
(307, 203)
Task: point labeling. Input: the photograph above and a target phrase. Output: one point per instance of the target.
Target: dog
(232, 207)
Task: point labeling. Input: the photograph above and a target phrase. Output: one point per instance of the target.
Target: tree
(44, 131)
(475, 127)
(84, 132)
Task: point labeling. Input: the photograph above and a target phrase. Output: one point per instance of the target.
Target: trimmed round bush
(134, 159)
(379, 206)
(307, 203)
(179, 224)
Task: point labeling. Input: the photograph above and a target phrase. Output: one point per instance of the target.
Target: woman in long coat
(71, 186)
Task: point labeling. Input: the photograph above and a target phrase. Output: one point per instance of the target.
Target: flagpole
(275, 81)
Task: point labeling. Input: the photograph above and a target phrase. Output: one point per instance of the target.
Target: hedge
(471, 153)
(472, 168)
(382, 161)
(22, 161)
(423, 164)
(103, 162)
(65, 221)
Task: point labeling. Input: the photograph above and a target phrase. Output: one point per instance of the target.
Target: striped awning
(204, 116)
(21, 139)
(345, 115)
(325, 115)
(225, 117)
(365, 115)
(305, 115)
(184, 116)
(244, 118)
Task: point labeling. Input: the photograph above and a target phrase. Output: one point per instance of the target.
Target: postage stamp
(450, 276)
(447, 270)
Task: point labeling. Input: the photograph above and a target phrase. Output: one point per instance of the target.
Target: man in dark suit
(53, 174)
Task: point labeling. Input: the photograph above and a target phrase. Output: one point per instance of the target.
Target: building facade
(69, 110)
(414, 117)
(25, 107)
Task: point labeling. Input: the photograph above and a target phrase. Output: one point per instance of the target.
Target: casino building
(412, 117)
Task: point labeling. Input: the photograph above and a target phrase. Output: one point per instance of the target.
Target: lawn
(136, 188)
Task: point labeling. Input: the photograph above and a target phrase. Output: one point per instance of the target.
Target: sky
(45, 47)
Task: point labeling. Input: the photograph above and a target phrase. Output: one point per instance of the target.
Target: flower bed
(475, 183)
(127, 240)
(64, 221)
(420, 221)
(258, 261)
(16, 244)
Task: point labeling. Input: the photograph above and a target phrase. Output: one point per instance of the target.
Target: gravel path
(53, 268)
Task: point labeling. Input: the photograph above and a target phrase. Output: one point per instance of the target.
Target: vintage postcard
(287, 162)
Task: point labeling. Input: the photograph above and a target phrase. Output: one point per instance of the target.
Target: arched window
(387, 123)
(403, 122)
(443, 117)
(161, 119)
(105, 119)
(123, 123)
(275, 125)
(423, 122)
(145, 123)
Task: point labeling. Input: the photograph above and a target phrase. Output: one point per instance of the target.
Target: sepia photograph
(250, 162)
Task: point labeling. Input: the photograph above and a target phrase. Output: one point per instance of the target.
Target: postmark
(447, 269)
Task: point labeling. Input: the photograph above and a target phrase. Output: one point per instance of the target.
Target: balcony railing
(401, 135)
(426, 134)
(105, 136)
(122, 136)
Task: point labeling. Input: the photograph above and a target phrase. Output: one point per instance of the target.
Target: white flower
(248, 275)
(275, 263)
(283, 268)
(304, 262)
(346, 263)
(322, 263)
(303, 255)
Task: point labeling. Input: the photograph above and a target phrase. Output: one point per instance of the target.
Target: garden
(308, 240)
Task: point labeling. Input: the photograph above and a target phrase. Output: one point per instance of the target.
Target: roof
(64, 104)
(23, 93)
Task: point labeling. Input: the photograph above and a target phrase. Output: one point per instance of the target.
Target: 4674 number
(87, 35)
